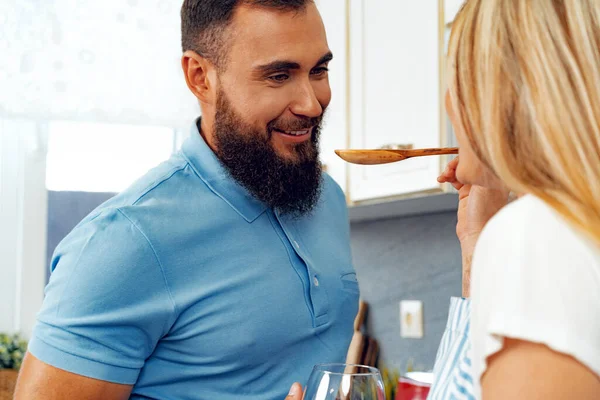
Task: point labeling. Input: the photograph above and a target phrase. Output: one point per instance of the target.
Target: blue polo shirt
(187, 287)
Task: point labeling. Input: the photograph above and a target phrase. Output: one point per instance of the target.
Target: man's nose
(305, 102)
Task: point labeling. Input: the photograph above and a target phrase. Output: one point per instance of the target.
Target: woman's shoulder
(529, 243)
(536, 278)
(529, 225)
(526, 213)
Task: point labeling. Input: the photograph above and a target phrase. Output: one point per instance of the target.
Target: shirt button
(296, 245)
(316, 281)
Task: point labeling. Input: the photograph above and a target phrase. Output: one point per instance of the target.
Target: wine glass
(344, 382)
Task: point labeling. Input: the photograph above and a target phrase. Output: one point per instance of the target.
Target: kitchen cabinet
(395, 92)
(387, 86)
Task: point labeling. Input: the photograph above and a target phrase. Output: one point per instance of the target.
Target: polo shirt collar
(210, 169)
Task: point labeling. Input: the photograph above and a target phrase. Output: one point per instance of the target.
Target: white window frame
(23, 216)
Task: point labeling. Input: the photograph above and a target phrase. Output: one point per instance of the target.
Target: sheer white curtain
(110, 61)
(115, 61)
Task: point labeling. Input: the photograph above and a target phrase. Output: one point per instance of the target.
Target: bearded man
(225, 272)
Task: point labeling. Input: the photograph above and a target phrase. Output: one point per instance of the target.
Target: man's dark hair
(204, 23)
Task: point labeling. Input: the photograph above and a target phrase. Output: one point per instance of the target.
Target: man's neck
(206, 133)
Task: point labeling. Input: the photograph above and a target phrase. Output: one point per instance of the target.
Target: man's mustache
(295, 125)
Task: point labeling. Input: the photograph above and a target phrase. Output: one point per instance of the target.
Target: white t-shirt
(535, 277)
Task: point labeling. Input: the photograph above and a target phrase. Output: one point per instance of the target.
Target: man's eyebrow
(280, 65)
(325, 59)
(277, 66)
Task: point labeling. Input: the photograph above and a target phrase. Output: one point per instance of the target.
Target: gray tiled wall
(412, 258)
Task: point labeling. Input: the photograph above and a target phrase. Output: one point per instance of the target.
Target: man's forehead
(267, 35)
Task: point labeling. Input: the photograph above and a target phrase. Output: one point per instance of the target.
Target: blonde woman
(524, 98)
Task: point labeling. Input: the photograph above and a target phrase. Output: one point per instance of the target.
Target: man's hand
(476, 206)
(295, 392)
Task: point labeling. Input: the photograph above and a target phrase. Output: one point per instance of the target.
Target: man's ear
(200, 76)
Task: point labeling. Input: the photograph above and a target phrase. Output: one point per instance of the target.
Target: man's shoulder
(162, 182)
(170, 187)
(332, 189)
(160, 197)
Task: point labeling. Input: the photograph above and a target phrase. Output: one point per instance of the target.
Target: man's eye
(320, 71)
(279, 78)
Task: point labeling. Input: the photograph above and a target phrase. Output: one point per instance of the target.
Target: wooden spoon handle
(427, 152)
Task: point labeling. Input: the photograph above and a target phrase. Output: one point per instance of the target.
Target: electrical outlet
(411, 319)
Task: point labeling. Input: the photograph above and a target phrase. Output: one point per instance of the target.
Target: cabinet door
(335, 128)
(395, 92)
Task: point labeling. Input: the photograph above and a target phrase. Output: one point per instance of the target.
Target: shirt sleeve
(107, 303)
(452, 369)
(535, 279)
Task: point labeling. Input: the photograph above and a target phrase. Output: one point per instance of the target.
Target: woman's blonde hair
(524, 76)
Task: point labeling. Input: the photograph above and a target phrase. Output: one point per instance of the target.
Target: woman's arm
(526, 370)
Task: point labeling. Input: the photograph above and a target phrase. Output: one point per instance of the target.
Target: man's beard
(289, 186)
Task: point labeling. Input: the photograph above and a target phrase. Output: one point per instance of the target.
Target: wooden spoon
(385, 156)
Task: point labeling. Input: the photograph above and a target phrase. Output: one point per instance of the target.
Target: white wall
(23, 216)
(451, 8)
